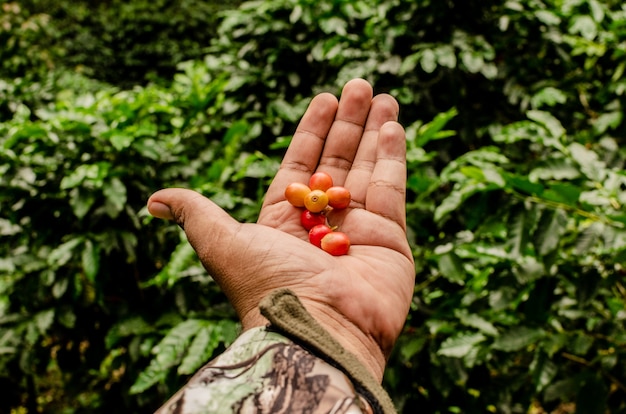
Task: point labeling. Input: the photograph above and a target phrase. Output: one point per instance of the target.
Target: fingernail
(160, 210)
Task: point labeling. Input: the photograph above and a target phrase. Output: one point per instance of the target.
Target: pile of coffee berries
(318, 198)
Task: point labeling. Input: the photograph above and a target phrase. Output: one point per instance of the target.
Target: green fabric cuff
(287, 314)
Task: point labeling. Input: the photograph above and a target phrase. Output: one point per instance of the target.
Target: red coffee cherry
(310, 220)
(320, 181)
(338, 197)
(317, 233)
(335, 243)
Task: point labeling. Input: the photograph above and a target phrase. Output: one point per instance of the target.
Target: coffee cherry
(335, 243)
(317, 233)
(317, 197)
(320, 181)
(295, 193)
(316, 201)
(310, 220)
(338, 197)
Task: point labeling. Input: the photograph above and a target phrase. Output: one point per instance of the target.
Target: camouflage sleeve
(286, 367)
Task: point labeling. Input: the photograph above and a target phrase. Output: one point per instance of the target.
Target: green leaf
(565, 193)
(152, 375)
(81, 201)
(475, 321)
(548, 17)
(200, 350)
(549, 96)
(472, 60)
(115, 193)
(412, 346)
(489, 71)
(133, 326)
(60, 287)
(607, 120)
(64, 252)
(229, 331)
(563, 389)
(585, 26)
(281, 142)
(552, 225)
(555, 169)
(120, 140)
(518, 225)
(148, 148)
(409, 63)
(460, 345)
(296, 13)
(597, 10)
(580, 343)
(179, 261)
(67, 318)
(458, 195)
(451, 267)
(7, 228)
(554, 342)
(588, 161)
(90, 260)
(168, 353)
(615, 306)
(543, 371)
(588, 237)
(523, 184)
(517, 132)
(472, 172)
(528, 269)
(333, 25)
(44, 320)
(434, 129)
(548, 121)
(284, 110)
(81, 173)
(517, 338)
(446, 56)
(428, 61)
(486, 158)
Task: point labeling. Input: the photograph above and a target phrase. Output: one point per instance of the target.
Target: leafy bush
(79, 310)
(26, 57)
(516, 191)
(128, 43)
(523, 300)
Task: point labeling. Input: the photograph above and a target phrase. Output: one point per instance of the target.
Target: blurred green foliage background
(516, 189)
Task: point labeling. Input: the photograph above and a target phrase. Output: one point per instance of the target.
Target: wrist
(364, 347)
(356, 355)
(352, 339)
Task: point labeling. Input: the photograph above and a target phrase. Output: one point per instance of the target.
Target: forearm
(287, 366)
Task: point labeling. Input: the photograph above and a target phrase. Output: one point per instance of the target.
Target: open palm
(361, 298)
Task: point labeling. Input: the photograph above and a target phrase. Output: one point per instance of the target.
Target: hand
(361, 298)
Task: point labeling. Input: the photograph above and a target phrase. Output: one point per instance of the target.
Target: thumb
(210, 230)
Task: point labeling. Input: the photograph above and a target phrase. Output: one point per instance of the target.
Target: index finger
(306, 147)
